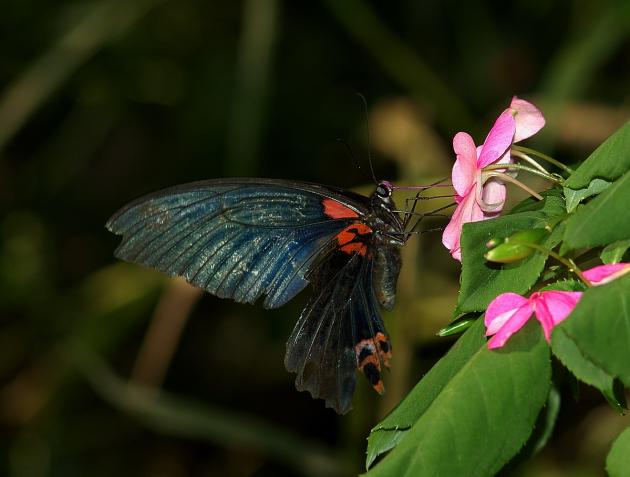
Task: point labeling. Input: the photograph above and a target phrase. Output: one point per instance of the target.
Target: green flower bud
(509, 252)
(515, 247)
(530, 236)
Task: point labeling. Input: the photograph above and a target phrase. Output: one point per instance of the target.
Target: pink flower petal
(603, 274)
(493, 195)
(529, 119)
(511, 326)
(552, 307)
(465, 167)
(466, 211)
(499, 139)
(501, 309)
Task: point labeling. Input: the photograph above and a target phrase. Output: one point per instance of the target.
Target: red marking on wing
(346, 238)
(336, 210)
(383, 347)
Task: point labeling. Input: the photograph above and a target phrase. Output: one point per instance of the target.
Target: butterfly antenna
(367, 132)
(350, 153)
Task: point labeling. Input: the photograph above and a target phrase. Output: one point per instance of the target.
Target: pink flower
(606, 273)
(509, 312)
(481, 195)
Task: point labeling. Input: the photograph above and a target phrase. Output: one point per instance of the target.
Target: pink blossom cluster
(480, 195)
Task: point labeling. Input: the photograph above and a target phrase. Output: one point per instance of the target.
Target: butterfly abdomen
(386, 270)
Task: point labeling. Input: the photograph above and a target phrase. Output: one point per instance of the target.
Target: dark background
(103, 101)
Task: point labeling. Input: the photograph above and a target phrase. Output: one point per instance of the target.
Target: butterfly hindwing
(339, 331)
(240, 238)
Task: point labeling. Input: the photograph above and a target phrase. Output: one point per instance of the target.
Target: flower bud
(515, 247)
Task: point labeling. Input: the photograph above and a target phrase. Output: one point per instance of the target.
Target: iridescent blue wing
(237, 238)
(339, 331)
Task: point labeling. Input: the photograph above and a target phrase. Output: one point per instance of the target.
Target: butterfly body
(246, 239)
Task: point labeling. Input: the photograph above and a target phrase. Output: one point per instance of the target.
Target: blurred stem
(544, 157)
(529, 160)
(520, 167)
(164, 333)
(401, 62)
(175, 416)
(575, 64)
(506, 178)
(101, 23)
(252, 73)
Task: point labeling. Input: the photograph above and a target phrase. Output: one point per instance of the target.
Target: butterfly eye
(383, 190)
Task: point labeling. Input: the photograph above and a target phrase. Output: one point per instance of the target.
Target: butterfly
(250, 239)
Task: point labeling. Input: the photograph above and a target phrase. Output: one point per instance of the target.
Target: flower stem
(521, 167)
(516, 182)
(567, 262)
(525, 157)
(544, 157)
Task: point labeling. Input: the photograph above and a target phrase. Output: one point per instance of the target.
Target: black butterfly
(248, 238)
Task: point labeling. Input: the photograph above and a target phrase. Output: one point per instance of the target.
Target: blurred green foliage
(102, 101)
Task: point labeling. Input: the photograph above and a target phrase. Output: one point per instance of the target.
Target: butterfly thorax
(387, 240)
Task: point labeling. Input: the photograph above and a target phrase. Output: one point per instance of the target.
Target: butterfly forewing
(236, 239)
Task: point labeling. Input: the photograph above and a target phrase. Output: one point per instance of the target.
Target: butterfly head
(382, 197)
(386, 221)
(384, 190)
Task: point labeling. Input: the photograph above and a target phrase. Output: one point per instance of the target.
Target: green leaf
(585, 370)
(594, 341)
(482, 416)
(609, 161)
(574, 197)
(482, 281)
(569, 284)
(391, 430)
(614, 252)
(603, 220)
(552, 205)
(618, 460)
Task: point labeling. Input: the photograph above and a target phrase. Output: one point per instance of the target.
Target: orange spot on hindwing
(352, 238)
(370, 353)
(336, 210)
